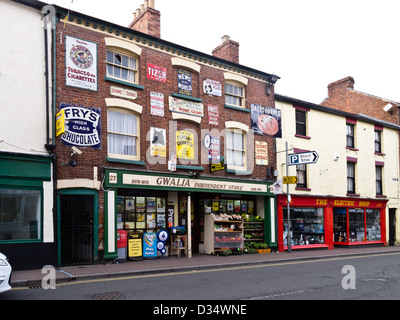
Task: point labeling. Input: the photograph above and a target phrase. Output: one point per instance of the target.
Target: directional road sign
(290, 180)
(302, 158)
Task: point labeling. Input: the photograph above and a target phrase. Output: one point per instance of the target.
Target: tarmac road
(372, 276)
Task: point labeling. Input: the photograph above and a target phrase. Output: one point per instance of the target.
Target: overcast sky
(308, 43)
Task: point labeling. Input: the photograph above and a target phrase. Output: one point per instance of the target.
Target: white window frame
(233, 127)
(129, 108)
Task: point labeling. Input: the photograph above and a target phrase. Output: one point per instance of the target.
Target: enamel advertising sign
(266, 120)
(81, 63)
(82, 126)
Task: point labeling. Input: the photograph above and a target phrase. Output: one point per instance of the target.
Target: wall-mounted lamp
(195, 175)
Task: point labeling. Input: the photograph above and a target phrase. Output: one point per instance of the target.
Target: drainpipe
(50, 12)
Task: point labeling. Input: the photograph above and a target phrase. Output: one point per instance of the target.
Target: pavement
(33, 278)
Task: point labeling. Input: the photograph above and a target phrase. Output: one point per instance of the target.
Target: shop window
(20, 214)
(236, 149)
(351, 177)
(123, 129)
(307, 226)
(142, 213)
(373, 219)
(301, 124)
(378, 180)
(356, 225)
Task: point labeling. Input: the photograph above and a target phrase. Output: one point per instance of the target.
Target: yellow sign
(185, 145)
(217, 166)
(60, 123)
(290, 180)
(135, 248)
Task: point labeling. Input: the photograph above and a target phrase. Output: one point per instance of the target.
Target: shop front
(146, 203)
(325, 222)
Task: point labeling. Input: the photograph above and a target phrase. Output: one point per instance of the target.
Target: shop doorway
(76, 226)
(392, 227)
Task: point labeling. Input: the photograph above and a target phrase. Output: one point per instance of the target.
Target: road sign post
(295, 159)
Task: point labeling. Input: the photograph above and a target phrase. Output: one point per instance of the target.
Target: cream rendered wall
(22, 80)
(328, 176)
(23, 91)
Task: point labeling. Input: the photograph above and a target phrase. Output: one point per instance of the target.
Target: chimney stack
(146, 19)
(228, 50)
(340, 86)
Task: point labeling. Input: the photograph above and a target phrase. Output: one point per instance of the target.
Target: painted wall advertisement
(82, 126)
(184, 82)
(81, 63)
(266, 120)
(156, 73)
(185, 145)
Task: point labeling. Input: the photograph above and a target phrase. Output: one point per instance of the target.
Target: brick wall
(342, 96)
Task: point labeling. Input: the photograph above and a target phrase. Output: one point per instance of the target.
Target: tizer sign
(303, 158)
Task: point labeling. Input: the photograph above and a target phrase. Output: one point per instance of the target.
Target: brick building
(154, 135)
(343, 96)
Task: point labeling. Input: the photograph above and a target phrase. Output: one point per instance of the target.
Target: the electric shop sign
(82, 126)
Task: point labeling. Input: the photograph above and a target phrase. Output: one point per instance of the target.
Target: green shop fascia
(149, 201)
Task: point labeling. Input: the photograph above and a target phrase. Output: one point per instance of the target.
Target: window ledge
(126, 83)
(301, 136)
(302, 189)
(236, 108)
(352, 195)
(194, 168)
(136, 162)
(380, 154)
(240, 172)
(352, 149)
(182, 96)
(381, 196)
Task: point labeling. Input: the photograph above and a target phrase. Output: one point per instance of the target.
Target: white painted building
(352, 189)
(26, 136)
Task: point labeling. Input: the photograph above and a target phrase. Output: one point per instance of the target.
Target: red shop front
(325, 222)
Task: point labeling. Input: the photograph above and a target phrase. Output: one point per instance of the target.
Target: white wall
(22, 79)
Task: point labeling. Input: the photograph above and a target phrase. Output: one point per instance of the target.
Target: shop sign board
(302, 158)
(135, 246)
(144, 181)
(81, 63)
(150, 245)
